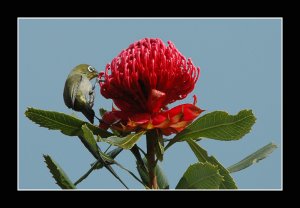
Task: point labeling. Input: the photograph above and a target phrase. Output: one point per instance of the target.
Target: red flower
(143, 80)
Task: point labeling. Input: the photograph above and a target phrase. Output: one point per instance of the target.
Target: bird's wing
(91, 98)
(76, 78)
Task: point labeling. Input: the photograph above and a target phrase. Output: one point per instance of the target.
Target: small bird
(79, 95)
(78, 92)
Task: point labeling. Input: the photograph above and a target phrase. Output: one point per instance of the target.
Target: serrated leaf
(202, 156)
(200, 176)
(218, 125)
(162, 180)
(126, 142)
(253, 158)
(67, 124)
(89, 141)
(221, 126)
(58, 174)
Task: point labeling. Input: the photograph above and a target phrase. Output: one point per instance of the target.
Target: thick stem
(151, 159)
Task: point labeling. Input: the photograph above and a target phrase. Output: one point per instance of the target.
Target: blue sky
(240, 61)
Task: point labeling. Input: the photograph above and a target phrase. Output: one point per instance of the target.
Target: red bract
(142, 80)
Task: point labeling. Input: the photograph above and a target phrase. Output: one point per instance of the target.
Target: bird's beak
(93, 75)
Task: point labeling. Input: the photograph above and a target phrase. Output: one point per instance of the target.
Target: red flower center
(146, 77)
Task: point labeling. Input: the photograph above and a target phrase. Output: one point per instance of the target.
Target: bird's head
(86, 70)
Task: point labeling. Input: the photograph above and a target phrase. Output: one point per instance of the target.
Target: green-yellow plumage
(78, 90)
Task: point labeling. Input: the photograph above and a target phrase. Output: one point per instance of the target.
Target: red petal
(174, 111)
(123, 105)
(155, 100)
(103, 125)
(110, 117)
(185, 112)
(179, 125)
(160, 121)
(140, 118)
(114, 117)
(191, 112)
(176, 118)
(195, 99)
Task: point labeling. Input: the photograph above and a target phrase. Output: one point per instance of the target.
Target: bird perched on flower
(78, 90)
(142, 80)
(79, 95)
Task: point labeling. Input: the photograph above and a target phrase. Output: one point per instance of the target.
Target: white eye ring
(91, 69)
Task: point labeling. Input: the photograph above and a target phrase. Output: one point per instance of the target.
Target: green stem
(107, 148)
(86, 174)
(150, 137)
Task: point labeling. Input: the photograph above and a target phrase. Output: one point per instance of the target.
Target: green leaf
(97, 131)
(58, 174)
(202, 156)
(162, 180)
(115, 152)
(107, 158)
(253, 158)
(99, 164)
(126, 142)
(159, 147)
(112, 154)
(74, 115)
(89, 141)
(110, 160)
(218, 125)
(67, 124)
(200, 176)
(144, 175)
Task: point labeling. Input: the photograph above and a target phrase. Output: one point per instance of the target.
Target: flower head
(142, 80)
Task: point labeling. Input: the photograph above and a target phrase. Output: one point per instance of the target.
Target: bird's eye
(91, 69)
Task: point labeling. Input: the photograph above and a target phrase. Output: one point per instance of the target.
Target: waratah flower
(142, 80)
